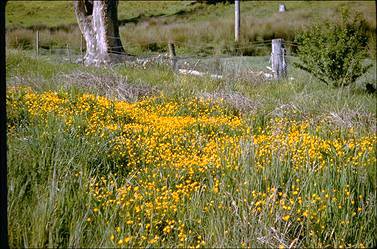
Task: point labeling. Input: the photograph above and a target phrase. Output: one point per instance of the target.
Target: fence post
(236, 20)
(37, 43)
(172, 55)
(278, 63)
(68, 53)
(282, 8)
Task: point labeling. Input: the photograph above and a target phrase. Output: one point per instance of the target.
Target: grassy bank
(144, 157)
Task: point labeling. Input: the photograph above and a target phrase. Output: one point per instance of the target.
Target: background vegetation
(196, 28)
(334, 52)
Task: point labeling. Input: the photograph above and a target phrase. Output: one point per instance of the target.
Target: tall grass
(297, 171)
(88, 180)
(48, 179)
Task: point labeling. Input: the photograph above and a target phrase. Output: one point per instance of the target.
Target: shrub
(334, 53)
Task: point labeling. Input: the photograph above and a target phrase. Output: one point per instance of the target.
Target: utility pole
(237, 20)
(37, 43)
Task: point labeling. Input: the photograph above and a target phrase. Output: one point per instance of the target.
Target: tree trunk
(98, 22)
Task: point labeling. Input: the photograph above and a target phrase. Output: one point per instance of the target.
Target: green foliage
(334, 53)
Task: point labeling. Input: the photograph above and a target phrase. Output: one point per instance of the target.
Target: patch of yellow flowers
(173, 150)
(304, 146)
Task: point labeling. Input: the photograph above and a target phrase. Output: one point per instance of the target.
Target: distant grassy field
(195, 28)
(26, 14)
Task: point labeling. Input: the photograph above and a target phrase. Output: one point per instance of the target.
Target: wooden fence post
(236, 20)
(172, 55)
(68, 53)
(278, 63)
(37, 43)
(282, 8)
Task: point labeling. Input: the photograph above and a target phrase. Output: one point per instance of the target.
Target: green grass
(49, 200)
(28, 14)
(304, 90)
(48, 184)
(25, 14)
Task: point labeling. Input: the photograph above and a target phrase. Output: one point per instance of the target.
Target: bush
(334, 53)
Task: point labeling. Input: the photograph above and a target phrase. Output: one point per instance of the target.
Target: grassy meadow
(128, 156)
(131, 157)
(195, 28)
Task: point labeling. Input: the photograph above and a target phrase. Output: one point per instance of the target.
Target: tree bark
(98, 22)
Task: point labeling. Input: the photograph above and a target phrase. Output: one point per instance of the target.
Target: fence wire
(221, 65)
(228, 60)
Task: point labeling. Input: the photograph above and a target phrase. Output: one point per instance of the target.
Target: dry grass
(349, 118)
(110, 85)
(21, 38)
(234, 99)
(26, 39)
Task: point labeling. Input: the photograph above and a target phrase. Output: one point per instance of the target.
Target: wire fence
(217, 61)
